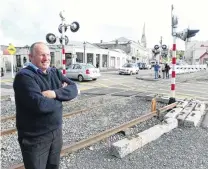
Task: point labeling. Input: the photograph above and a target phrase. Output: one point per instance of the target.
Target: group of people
(165, 70)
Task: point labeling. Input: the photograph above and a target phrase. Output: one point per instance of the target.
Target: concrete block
(200, 107)
(186, 111)
(204, 123)
(191, 105)
(126, 146)
(193, 119)
(182, 104)
(173, 113)
(128, 132)
(163, 99)
(149, 97)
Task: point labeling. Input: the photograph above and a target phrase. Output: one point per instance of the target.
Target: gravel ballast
(83, 125)
(8, 107)
(68, 107)
(180, 149)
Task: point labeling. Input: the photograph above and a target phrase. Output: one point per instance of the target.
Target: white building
(88, 53)
(196, 52)
(75, 52)
(137, 51)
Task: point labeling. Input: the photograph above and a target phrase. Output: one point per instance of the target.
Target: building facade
(75, 52)
(196, 52)
(138, 52)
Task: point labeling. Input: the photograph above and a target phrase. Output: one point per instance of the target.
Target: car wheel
(94, 79)
(80, 78)
(119, 73)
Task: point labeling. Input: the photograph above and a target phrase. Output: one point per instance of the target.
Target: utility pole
(173, 75)
(183, 35)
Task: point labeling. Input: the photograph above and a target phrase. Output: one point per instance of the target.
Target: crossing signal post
(160, 52)
(156, 52)
(174, 24)
(64, 40)
(186, 34)
(183, 35)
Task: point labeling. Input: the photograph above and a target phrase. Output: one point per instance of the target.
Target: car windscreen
(128, 65)
(88, 66)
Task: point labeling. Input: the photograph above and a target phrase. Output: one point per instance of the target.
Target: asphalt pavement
(191, 86)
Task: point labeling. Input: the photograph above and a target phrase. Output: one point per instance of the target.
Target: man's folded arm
(29, 93)
(66, 93)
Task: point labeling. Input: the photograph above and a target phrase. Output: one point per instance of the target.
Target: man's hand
(64, 84)
(49, 94)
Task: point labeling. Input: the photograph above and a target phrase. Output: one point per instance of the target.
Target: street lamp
(84, 51)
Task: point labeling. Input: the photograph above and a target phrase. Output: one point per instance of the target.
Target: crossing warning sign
(11, 49)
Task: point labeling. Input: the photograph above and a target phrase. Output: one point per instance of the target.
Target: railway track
(92, 96)
(69, 114)
(105, 134)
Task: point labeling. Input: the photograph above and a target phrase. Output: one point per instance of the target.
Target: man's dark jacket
(36, 114)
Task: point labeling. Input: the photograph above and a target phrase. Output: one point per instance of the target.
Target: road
(193, 85)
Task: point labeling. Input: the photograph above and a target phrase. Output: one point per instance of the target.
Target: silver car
(82, 71)
(129, 68)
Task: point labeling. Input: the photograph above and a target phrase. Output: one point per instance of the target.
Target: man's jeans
(42, 152)
(167, 75)
(156, 74)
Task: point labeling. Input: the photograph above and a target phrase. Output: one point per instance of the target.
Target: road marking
(102, 84)
(6, 80)
(82, 89)
(119, 84)
(180, 94)
(187, 90)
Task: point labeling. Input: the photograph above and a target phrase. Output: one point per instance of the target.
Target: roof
(121, 39)
(78, 44)
(118, 50)
(206, 53)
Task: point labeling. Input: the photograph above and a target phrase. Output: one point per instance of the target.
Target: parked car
(82, 71)
(143, 66)
(129, 68)
(149, 66)
(139, 64)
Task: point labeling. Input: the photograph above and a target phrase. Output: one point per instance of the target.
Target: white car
(129, 68)
(149, 66)
(82, 71)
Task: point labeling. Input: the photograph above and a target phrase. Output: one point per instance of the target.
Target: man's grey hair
(33, 46)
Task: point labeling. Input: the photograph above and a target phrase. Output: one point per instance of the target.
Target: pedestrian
(156, 69)
(163, 70)
(2, 72)
(167, 69)
(97, 65)
(39, 93)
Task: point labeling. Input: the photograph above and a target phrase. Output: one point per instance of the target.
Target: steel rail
(4, 118)
(105, 134)
(69, 115)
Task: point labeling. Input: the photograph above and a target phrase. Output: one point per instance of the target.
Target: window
(89, 66)
(52, 58)
(77, 67)
(18, 59)
(128, 65)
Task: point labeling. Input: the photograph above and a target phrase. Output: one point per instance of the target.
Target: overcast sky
(26, 21)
